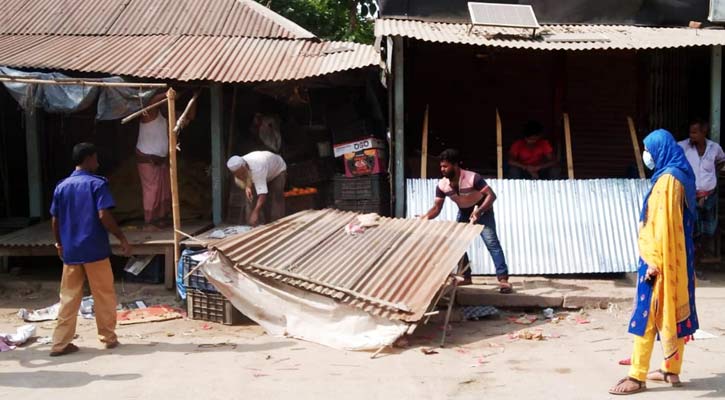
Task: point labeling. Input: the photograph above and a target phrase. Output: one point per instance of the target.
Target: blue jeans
(707, 217)
(490, 238)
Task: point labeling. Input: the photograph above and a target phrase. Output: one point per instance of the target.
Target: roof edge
(298, 31)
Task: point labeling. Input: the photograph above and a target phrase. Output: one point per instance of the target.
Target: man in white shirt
(706, 158)
(267, 173)
(152, 160)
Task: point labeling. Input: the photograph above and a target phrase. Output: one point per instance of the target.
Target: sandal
(666, 377)
(641, 387)
(504, 287)
(70, 348)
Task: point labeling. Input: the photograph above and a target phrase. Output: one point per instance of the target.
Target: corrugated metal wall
(554, 227)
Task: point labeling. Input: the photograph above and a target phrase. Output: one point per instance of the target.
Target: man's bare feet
(628, 386)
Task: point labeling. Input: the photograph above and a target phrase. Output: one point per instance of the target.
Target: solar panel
(509, 15)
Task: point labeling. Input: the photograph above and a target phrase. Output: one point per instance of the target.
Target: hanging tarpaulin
(113, 102)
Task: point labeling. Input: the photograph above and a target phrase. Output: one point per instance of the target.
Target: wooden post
(399, 127)
(424, 147)
(567, 136)
(499, 145)
(635, 144)
(32, 146)
(173, 171)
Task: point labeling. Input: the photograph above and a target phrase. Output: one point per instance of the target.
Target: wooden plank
(569, 157)
(170, 266)
(424, 147)
(499, 145)
(169, 272)
(635, 145)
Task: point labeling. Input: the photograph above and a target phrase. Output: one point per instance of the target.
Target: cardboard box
(358, 145)
(365, 162)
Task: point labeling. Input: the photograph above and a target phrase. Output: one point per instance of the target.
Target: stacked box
(213, 307)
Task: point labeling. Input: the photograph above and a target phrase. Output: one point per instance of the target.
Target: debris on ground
(528, 334)
(524, 319)
(148, 314)
(428, 351)
(50, 313)
(548, 313)
(402, 342)
(9, 341)
(473, 313)
(626, 361)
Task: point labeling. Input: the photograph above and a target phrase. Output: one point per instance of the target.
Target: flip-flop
(70, 348)
(666, 378)
(641, 387)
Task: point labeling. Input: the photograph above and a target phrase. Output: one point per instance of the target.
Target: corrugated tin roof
(553, 227)
(625, 37)
(186, 58)
(398, 266)
(215, 40)
(146, 17)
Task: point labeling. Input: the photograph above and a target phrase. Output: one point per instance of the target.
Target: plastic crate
(213, 307)
(196, 280)
(371, 187)
(364, 206)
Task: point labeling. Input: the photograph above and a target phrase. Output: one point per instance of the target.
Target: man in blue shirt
(81, 222)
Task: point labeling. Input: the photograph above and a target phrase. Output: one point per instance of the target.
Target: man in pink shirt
(475, 205)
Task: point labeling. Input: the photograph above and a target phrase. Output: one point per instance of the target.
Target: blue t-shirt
(76, 203)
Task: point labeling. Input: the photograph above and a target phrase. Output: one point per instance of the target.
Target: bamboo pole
(185, 115)
(79, 82)
(499, 145)
(635, 144)
(173, 172)
(567, 136)
(143, 110)
(424, 147)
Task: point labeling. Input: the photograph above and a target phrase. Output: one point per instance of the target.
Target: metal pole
(715, 92)
(217, 153)
(35, 177)
(399, 121)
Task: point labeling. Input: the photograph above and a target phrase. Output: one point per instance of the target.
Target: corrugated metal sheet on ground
(626, 37)
(146, 17)
(400, 264)
(553, 227)
(186, 58)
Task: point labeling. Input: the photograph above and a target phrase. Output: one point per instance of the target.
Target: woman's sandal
(641, 387)
(666, 377)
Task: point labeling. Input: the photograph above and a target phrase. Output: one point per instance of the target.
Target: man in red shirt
(532, 157)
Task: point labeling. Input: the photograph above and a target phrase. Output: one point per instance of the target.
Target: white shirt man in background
(262, 175)
(706, 158)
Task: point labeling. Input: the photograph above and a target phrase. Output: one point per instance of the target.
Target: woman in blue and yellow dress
(665, 302)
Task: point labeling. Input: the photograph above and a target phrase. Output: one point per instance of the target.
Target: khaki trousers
(100, 278)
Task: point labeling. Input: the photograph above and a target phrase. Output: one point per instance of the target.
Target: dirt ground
(185, 359)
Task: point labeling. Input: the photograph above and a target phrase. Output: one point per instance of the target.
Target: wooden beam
(715, 92)
(181, 123)
(217, 153)
(635, 145)
(569, 158)
(499, 145)
(35, 175)
(143, 110)
(79, 82)
(173, 171)
(424, 147)
(399, 127)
